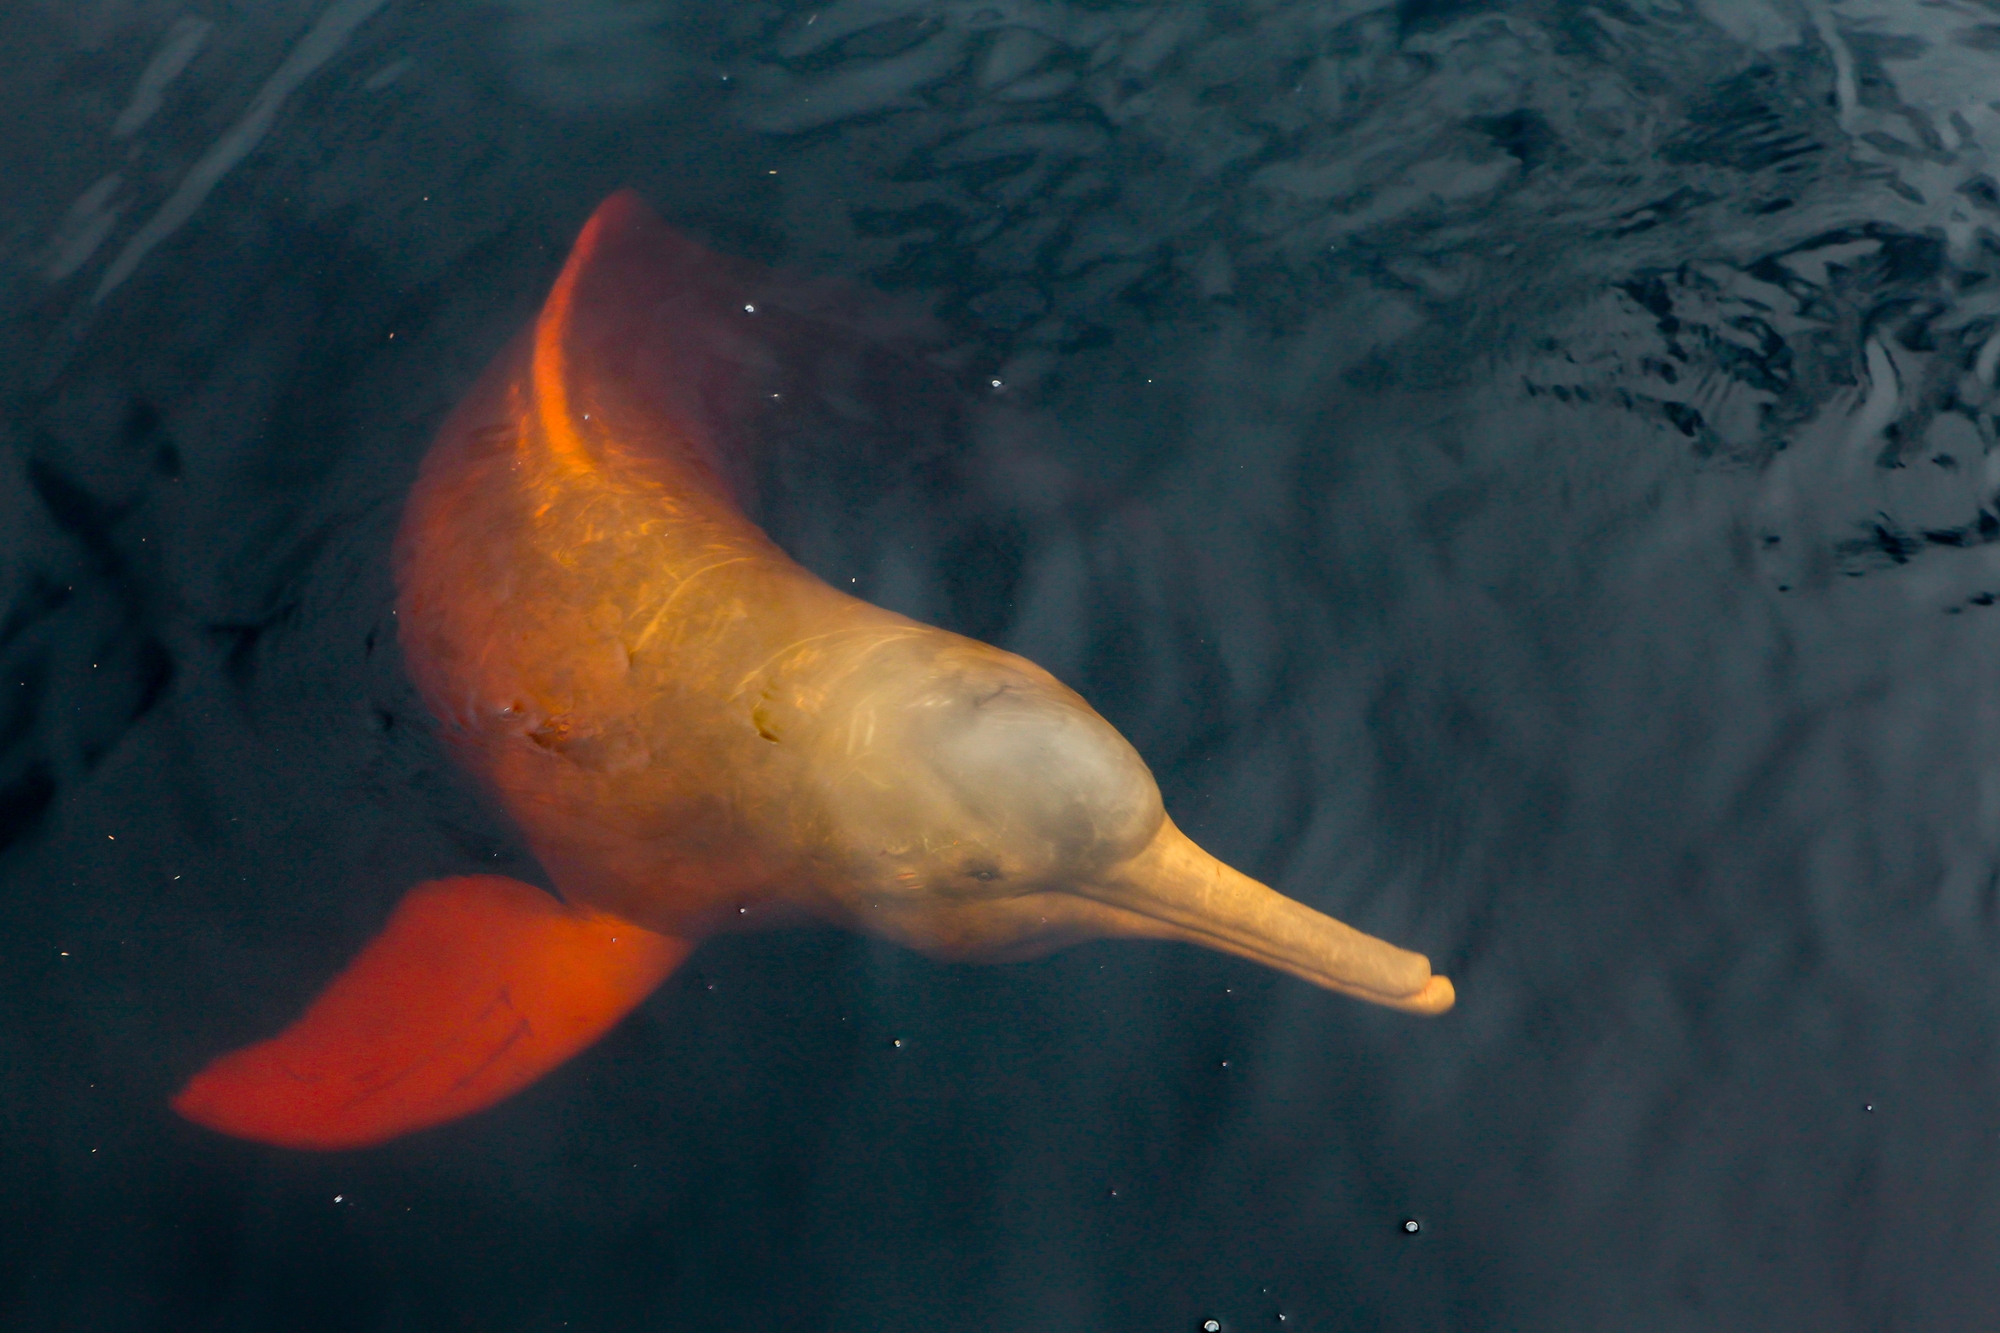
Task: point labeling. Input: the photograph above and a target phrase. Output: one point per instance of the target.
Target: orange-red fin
(475, 988)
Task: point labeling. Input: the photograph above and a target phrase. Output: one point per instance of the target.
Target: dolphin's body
(693, 733)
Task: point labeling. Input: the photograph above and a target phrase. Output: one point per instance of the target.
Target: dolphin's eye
(982, 873)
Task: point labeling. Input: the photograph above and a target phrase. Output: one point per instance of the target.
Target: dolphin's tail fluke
(475, 988)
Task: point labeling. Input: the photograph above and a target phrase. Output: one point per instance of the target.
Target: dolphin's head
(978, 809)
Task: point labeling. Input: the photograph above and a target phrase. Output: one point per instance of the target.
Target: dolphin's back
(583, 602)
(574, 574)
(586, 474)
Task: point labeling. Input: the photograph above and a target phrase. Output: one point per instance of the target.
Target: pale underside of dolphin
(695, 734)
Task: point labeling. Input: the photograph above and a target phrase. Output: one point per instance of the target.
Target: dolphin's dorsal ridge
(725, 353)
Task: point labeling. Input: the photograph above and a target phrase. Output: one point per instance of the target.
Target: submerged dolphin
(694, 733)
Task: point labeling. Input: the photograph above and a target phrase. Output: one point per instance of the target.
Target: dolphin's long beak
(1175, 890)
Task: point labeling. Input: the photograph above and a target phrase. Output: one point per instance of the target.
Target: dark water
(1522, 474)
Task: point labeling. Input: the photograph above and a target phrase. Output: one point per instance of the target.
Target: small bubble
(1211, 1326)
(994, 383)
(897, 1042)
(1225, 1064)
(1411, 1226)
(749, 309)
(1869, 1107)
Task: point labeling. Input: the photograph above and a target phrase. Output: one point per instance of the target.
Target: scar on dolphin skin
(694, 734)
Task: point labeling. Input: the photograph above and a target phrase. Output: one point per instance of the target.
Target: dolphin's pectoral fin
(475, 988)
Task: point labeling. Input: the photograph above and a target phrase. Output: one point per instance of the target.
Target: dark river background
(1523, 475)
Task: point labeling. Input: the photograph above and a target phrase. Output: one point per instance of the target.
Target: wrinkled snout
(1175, 890)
